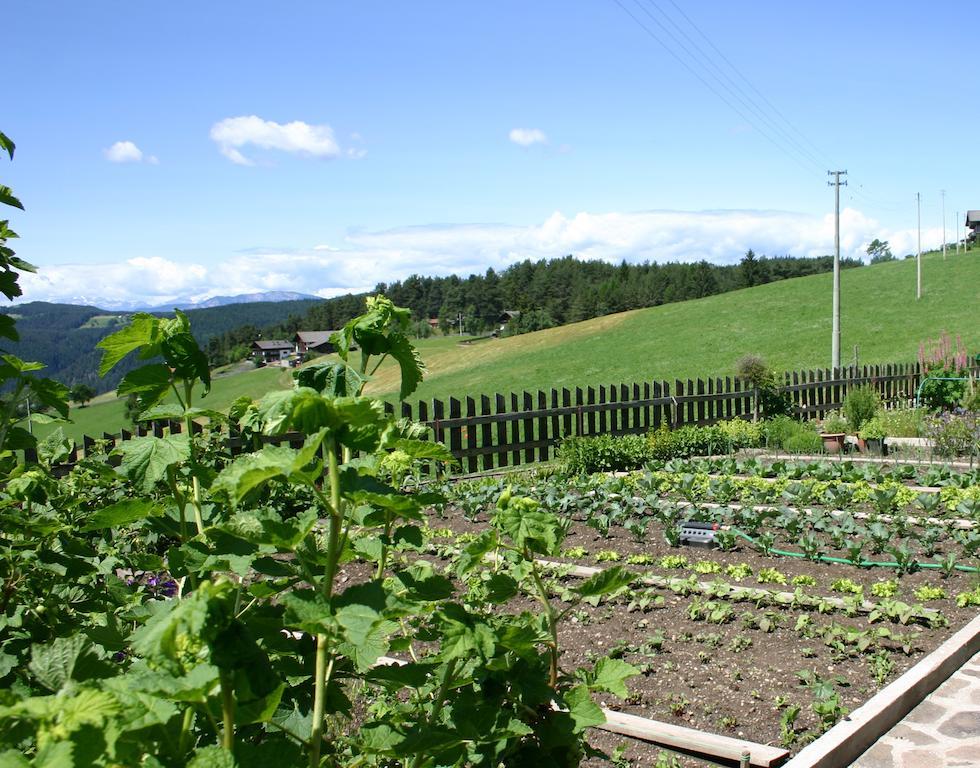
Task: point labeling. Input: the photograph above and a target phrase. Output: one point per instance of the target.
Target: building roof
(272, 344)
(973, 217)
(314, 338)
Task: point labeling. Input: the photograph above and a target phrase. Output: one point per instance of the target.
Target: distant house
(973, 224)
(272, 351)
(433, 323)
(314, 341)
(505, 317)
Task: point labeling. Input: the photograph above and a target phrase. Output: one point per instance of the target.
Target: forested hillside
(63, 336)
(546, 293)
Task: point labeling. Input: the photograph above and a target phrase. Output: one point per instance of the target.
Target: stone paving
(942, 732)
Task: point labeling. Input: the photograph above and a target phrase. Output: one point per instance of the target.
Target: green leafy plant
(860, 406)
(873, 429)
(834, 423)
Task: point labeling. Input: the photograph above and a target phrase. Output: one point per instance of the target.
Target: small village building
(314, 341)
(505, 317)
(271, 352)
(973, 224)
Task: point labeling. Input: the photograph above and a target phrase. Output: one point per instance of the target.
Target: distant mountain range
(188, 302)
(223, 301)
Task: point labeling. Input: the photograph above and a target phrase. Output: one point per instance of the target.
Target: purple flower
(119, 657)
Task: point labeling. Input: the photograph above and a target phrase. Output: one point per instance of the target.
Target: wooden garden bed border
(855, 734)
(690, 741)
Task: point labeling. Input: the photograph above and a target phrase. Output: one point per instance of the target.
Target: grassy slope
(787, 322)
(106, 413)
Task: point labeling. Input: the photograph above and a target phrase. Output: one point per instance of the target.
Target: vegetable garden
(168, 604)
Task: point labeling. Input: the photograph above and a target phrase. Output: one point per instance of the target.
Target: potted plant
(833, 431)
(873, 434)
(860, 405)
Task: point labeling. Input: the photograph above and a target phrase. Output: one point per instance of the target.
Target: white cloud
(235, 133)
(525, 137)
(363, 259)
(128, 152)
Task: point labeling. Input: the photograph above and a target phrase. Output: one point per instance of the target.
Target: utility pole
(942, 192)
(956, 233)
(835, 332)
(459, 317)
(918, 255)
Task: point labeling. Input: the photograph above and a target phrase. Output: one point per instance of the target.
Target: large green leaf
(50, 393)
(254, 469)
(212, 756)
(53, 664)
(7, 198)
(140, 708)
(611, 674)
(583, 710)
(605, 582)
(7, 145)
(143, 332)
(464, 634)
(151, 382)
(181, 626)
(267, 527)
(529, 526)
(55, 448)
(8, 327)
(182, 353)
(410, 362)
(308, 610)
(335, 379)
(145, 459)
(424, 449)
(122, 513)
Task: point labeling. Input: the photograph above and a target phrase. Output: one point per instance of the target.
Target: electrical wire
(802, 161)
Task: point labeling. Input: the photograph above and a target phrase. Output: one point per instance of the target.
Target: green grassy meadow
(787, 322)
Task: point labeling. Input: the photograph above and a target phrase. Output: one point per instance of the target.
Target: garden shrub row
(606, 453)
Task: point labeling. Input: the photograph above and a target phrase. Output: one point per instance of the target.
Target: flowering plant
(941, 361)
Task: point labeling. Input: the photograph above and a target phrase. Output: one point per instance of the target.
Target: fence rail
(497, 431)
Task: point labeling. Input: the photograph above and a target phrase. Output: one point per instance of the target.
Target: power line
(748, 82)
(708, 85)
(728, 83)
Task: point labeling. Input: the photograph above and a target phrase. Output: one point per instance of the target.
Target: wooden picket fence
(493, 432)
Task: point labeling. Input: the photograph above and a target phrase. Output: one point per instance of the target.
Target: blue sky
(188, 149)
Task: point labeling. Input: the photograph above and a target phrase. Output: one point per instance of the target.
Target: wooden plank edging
(692, 741)
(679, 737)
(853, 735)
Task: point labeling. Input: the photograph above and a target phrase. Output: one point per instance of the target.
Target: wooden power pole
(835, 332)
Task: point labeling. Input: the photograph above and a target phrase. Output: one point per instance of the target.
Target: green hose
(862, 564)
